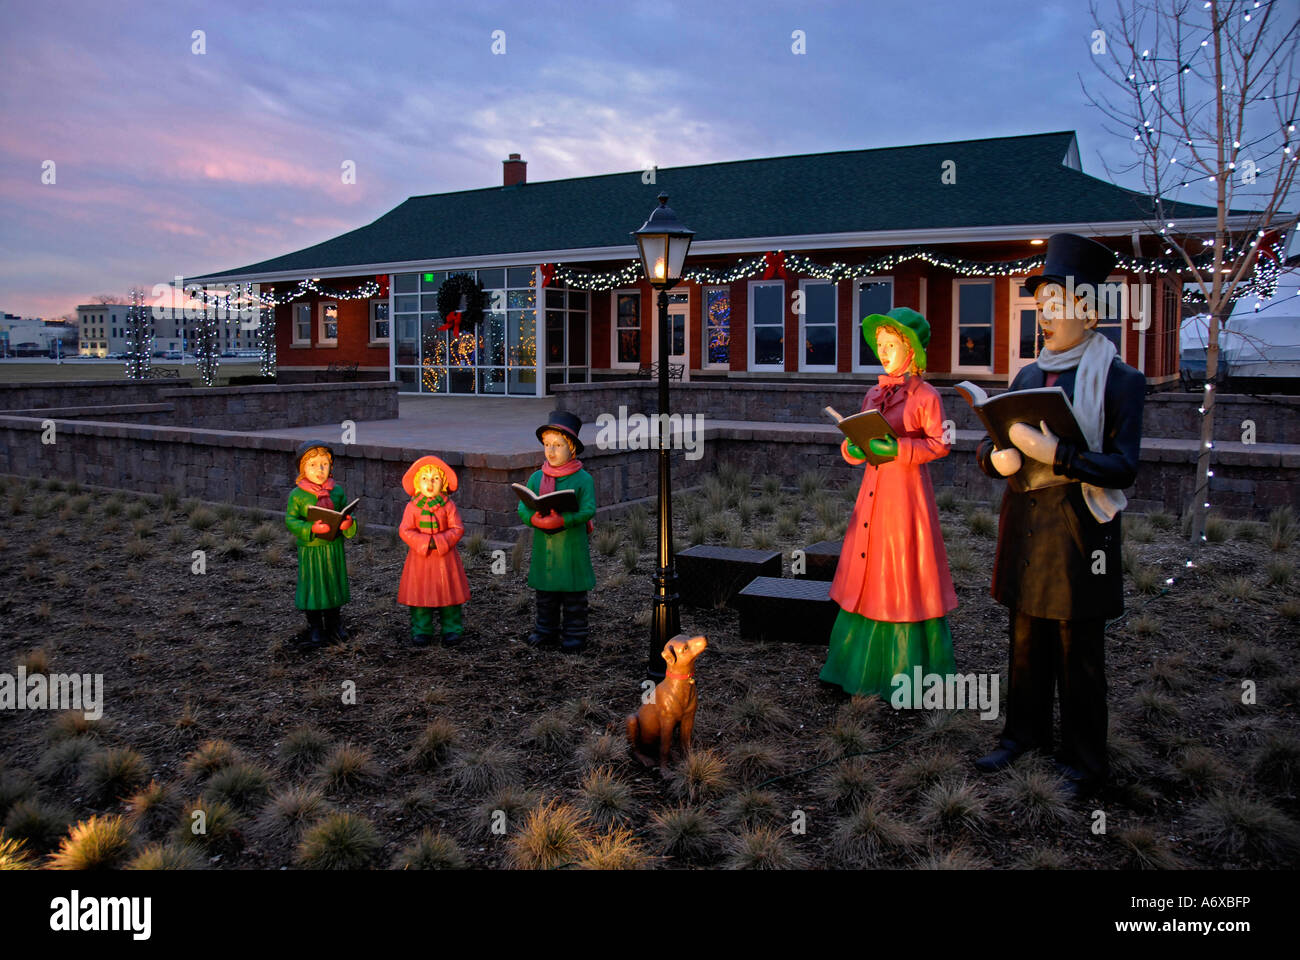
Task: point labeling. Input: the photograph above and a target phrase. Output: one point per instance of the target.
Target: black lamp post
(663, 241)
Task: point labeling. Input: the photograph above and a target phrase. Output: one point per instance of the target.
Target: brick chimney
(514, 170)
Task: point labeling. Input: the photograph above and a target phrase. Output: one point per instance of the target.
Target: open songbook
(861, 429)
(331, 517)
(1030, 406)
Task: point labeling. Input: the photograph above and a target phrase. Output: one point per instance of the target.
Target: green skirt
(322, 576)
(865, 655)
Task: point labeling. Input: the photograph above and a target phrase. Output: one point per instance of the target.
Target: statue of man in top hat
(1058, 568)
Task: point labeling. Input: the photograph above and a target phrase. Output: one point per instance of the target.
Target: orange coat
(893, 566)
(432, 578)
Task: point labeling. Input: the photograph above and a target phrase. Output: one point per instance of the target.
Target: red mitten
(347, 522)
(548, 521)
(320, 527)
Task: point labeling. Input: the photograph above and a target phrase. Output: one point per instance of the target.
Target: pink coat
(432, 578)
(893, 566)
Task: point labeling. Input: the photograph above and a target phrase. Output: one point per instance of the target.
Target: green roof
(1000, 181)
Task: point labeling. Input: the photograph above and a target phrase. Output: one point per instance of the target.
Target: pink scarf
(321, 491)
(549, 473)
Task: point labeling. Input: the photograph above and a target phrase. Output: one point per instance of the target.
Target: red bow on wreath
(548, 272)
(773, 265)
(452, 323)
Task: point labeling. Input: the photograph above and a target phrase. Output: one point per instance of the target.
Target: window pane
(1112, 333)
(819, 345)
(462, 381)
(406, 283)
(433, 342)
(577, 374)
(677, 335)
(629, 310)
(718, 325)
(492, 279)
(330, 314)
(767, 345)
(769, 305)
(519, 277)
(463, 351)
(554, 337)
(520, 300)
(430, 282)
(974, 347)
(406, 380)
(874, 296)
(407, 304)
(577, 299)
(629, 346)
(407, 330)
(1028, 332)
(819, 303)
(494, 339)
(492, 380)
(522, 381)
(522, 343)
(428, 301)
(975, 303)
(554, 298)
(577, 338)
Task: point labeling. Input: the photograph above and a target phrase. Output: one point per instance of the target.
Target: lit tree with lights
(1209, 96)
(139, 337)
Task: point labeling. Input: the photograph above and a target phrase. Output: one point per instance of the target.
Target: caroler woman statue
(892, 582)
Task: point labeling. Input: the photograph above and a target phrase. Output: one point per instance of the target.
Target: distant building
(103, 331)
(33, 337)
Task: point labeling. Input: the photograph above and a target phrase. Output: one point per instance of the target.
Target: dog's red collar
(680, 676)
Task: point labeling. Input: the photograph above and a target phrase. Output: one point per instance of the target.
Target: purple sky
(170, 162)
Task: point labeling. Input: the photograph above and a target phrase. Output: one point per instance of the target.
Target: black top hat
(568, 424)
(1070, 255)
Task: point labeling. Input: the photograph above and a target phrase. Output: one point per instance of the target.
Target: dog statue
(650, 729)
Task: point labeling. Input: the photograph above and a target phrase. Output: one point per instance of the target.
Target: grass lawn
(493, 754)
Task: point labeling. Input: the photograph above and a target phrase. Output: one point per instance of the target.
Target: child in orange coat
(433, 577)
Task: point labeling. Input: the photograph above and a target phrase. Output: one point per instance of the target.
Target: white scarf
(1092, 355)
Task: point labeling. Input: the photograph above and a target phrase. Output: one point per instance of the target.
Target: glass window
(577, 334)
(627, 328)
(874, 296)
(378, 319)
(521, 342)
(492, 279)
(519, 277)
(406, 304)
(975, 323)
(329, 323)
(554, 337)
(1112, 307)
(767, 321)
(302, 323)
(406, 283)
(717, 325)
(819, 324)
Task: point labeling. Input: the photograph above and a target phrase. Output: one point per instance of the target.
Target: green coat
(561, 560)
(322, 568)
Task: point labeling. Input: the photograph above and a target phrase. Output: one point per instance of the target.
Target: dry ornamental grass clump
(618, 849)
(244, 786)
(763, 848)
(167, 856)
(1235, 825)
(869, 833)
(553, 835)
(38, 823)
(688, 833)
(152, 808)
(502, 809)
(433, 746)
(432, 850)
(1143, 849)
(209, 757)
(341, 841)
(113, 773)
(210, 824)
(348, 767)
(700, 775)
(606, 800)
(99, 843)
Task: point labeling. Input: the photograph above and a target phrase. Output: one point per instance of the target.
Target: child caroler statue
(560, 569)
(892, 582)
(433, 577)
(322, 567)
(1059, 568)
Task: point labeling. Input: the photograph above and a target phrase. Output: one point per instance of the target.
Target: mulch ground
(101, 582)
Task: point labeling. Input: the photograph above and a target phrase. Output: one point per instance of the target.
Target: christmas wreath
(460, 301)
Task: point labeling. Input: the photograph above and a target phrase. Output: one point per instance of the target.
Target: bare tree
(106, 298)
(1209, 95)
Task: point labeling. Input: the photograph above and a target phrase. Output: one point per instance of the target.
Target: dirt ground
(101, 582)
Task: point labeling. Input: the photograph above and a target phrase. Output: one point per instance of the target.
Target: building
(33, 337)
(103, 332)
(789, 254)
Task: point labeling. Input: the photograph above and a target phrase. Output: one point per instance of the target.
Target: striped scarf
(428, 522)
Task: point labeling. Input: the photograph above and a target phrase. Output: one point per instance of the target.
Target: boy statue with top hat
(560, 568)
(1058, 568)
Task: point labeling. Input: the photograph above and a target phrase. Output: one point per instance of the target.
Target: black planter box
(820, 560)
(708, 576)
(799, 610)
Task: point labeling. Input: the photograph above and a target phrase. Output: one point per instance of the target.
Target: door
(1025, 337)
(679, 334)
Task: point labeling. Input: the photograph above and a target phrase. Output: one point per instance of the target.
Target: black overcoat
(1046, 563)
